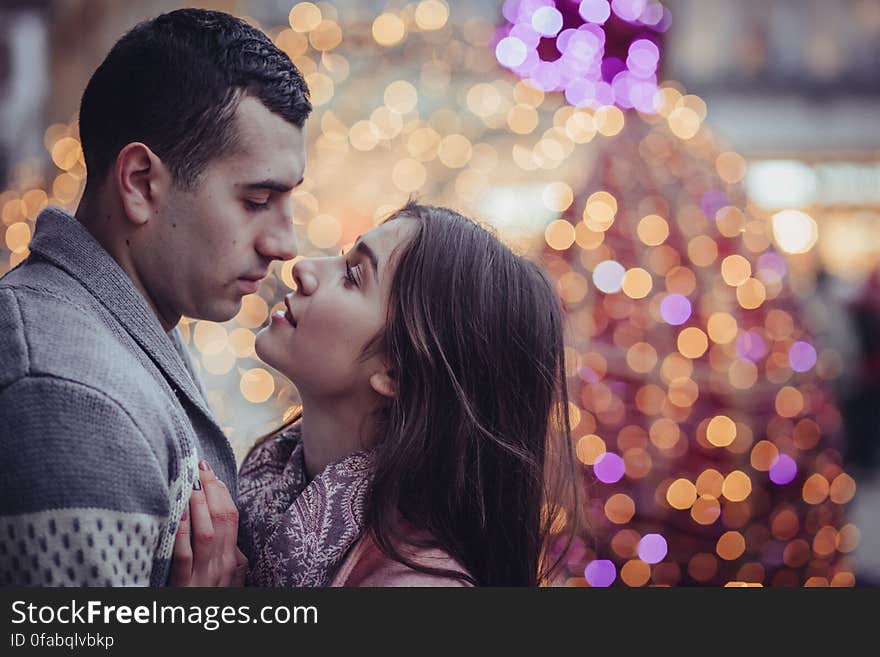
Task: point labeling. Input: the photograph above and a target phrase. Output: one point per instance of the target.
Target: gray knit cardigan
(102, 420)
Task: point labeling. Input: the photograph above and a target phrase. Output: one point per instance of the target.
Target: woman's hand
(205, 550)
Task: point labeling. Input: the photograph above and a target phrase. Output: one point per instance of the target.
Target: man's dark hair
(174, 83)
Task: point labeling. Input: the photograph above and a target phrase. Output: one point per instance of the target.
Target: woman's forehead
(387, 237)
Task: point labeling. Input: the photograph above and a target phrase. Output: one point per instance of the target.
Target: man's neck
(101, 219)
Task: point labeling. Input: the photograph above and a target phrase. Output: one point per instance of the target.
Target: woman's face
(339, 306)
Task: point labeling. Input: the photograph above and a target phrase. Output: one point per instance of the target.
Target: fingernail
(197, 484)
(185, 515)
(204, 465)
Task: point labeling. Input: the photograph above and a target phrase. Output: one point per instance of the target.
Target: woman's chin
(263, 346)
(272, 351)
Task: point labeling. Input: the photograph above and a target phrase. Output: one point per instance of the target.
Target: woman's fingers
(224, 520)
(203, 544)
(182, 559)
(205, 551)
(229, 561)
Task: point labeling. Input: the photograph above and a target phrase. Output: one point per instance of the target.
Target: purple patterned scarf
(296, 532)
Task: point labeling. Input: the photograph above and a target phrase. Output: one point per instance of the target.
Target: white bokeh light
(608, 276)
(795, 231)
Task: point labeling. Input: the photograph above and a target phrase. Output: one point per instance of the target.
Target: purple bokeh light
(712, 201)
(583, 47)
(510, 10)
(665, 22)
(532, 60)
(802, 356)
(525, 33)
(750, 346)
(622, 85)
(652, 548)
(604, 93)
(600, 573)
(784, 470)
(527, 8)
(643, 58)
(546, 76)
(675, 309)
(774, 553)
(771, 267)
(580, 93)
(585, 70)
(609, 468)
(563, 39)
(629, 10)
(643, 95)
(653, 14)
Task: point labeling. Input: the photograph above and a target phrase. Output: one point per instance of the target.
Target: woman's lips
(279, 316)
(288, 315)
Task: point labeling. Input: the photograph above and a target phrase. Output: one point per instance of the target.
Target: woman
(429, 362)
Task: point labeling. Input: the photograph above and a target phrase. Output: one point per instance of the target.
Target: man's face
(212, 244)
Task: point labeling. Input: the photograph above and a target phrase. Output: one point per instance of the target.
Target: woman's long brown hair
(475, 447)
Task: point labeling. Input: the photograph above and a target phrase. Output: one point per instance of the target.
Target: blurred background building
(701, 177)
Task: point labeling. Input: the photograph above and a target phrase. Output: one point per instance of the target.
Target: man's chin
(221, 312)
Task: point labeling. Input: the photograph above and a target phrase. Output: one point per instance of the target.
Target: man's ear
(383, 383)
(141, 179)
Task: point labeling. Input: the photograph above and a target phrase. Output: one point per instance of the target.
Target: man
(192, 130)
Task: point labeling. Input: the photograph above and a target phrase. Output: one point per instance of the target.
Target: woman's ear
(383, 383)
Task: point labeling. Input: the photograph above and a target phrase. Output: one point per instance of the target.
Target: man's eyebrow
(274, 185)
(367, 251)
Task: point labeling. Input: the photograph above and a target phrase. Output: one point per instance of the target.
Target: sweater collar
(66, 243)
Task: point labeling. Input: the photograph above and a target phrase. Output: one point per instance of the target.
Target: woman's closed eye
(353, 274)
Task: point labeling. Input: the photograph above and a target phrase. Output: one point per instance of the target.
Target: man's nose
(279, 243)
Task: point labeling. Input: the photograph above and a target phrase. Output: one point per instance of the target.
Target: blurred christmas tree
(701, 402)
(698, 399)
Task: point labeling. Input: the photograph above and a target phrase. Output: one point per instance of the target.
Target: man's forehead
(258, 130)
(252, 116)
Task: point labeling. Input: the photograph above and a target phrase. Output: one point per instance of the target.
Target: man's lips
(251, 283)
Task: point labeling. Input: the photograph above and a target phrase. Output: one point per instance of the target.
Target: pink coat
(367, 565)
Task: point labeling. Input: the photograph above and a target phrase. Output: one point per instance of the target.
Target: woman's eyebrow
(367, 251)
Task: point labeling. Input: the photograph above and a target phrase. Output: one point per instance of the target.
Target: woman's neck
(330, 433)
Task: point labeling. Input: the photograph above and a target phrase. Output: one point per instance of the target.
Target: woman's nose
(305, 277)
